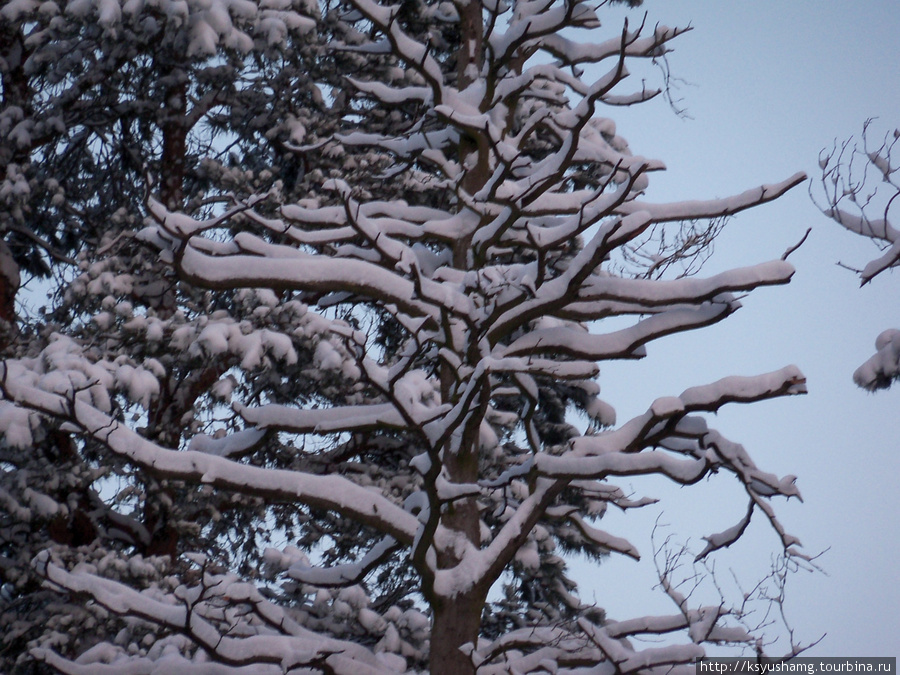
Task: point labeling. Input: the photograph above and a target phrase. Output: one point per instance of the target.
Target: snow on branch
(196, 612)
(325, 420)
(715, 208)
(647, 294)
(882, 369)
(861, 188)
(624, 343)
(329, 492)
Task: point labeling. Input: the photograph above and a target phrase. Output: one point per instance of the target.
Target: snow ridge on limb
(717, 207)
(330, 492)
(276, 644)
(448, 316)
(880, 371)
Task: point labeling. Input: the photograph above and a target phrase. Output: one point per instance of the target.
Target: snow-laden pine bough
(450, 317)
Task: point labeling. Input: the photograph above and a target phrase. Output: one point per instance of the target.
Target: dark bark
(455, 623)
(9, 287)
(174, 152)
(17, 92)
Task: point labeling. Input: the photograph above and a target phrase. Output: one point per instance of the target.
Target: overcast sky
(769, 85)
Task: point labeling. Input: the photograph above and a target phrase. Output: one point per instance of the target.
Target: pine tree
(405, 331)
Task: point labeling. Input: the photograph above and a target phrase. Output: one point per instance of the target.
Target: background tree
(102, 102)
(403, 353)
(174, 91)
(861, 191)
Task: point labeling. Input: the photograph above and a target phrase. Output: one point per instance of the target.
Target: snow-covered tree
(862, 189)
(405, 339)
(101, 102)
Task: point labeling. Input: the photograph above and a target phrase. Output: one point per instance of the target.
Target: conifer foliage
(347, 411)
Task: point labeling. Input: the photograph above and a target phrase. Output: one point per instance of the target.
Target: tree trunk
(9, 287)
(15, 91)
(456, 622)
(174, 150)
(159, 292)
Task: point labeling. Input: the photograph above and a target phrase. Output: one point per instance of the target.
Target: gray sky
(771, 84)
